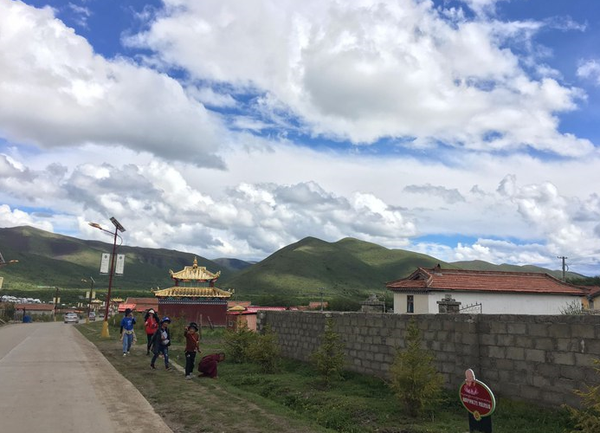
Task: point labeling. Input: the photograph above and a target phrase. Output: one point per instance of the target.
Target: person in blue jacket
(127, 334)
(161, 340)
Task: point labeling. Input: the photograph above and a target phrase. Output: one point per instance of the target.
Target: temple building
(194, 297)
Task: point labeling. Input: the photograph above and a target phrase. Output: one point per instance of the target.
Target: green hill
(48, 259)
(349, 267)
(479, 265)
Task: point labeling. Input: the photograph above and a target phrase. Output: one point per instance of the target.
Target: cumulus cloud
(15, 218)
(159, 207)
(590, 69)
(57, 92)
(367, 70)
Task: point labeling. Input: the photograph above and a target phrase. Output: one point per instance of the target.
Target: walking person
(161, 340)
(151, 325)
(126, 330)
(192, 346)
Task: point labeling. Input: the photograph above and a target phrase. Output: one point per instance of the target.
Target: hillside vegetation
(47, 259)
(349, 267)
(303, 271)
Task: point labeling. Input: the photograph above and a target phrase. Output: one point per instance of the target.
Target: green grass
(296, 396)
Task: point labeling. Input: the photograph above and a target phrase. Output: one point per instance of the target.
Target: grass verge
(294, 399)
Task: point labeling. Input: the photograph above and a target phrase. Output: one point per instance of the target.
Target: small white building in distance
(487, 292)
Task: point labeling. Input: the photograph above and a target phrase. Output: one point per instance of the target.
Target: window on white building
(410, 304)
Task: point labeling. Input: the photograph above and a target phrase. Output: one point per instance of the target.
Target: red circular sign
(477, 398)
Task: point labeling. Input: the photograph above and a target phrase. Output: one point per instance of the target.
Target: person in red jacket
(208, 365)
(151, 324)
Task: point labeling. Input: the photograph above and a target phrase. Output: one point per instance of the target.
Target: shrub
(264, 350)
(572, 308)
(329, 356)
(587, 419)
(414, 379)
(237, 343)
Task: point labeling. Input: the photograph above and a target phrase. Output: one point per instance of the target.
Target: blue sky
(461, 129)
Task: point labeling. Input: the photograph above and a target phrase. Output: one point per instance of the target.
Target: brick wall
(534, 358)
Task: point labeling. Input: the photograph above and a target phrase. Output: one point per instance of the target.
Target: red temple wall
(199, 313)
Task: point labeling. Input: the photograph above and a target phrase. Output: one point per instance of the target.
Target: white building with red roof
(492, 292)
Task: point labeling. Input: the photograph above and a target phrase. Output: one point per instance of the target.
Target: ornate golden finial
(195, 262)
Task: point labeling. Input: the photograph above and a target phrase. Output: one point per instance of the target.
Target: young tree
(237, 343)
(265, 351)
(587, 419)
(329, 356)
(414, 379)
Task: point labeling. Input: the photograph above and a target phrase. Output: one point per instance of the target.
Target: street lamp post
(118, 228)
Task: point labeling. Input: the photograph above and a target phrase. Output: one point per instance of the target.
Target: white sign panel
(104, 263)
(120, 264)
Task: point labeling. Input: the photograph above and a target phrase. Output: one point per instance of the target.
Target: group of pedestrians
(158, 341)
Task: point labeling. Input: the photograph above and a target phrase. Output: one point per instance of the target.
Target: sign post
(479, 401)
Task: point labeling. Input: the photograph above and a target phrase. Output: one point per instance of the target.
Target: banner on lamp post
(104, 263)
(120, 264)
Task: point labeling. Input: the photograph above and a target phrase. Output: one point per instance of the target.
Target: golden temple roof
(194, 273)
(191, 292)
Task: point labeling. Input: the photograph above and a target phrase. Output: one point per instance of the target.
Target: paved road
(52, 379)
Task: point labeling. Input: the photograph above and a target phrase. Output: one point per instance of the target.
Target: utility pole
(565, 267)
(321, 299)
(56, 301)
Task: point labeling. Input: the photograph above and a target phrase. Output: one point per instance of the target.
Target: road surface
(52, 379)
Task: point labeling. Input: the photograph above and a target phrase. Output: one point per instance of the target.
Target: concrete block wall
(541, 359)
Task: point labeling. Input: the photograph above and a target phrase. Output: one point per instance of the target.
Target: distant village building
(194, 297)
(34, 310)
(239, 316)
(592, 303)
(426, 290)
(139, 305)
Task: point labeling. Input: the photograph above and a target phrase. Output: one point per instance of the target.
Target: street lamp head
(117, 224)
(96, 225)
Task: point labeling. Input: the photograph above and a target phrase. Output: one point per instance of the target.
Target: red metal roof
(124, 306)
(35, 307)
(143, 304)
(438, 279)
(593, 292)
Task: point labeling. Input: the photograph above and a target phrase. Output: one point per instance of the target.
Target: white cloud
(57, 92)
(15, 218)
(590, 69)
(368, 70)
(269, 199)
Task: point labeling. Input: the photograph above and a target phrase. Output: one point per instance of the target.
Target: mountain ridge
(349, 267)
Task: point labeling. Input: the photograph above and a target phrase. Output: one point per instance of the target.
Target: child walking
(127, 323)
(191, 347)
(151, 325)
(161, 340)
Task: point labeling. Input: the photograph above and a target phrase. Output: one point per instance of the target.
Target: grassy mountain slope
(232, 264)
(479, 265)
(349, 267)
(47, 259)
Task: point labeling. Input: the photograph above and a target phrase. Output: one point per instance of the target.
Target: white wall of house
(420, 303)
(492, 303)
